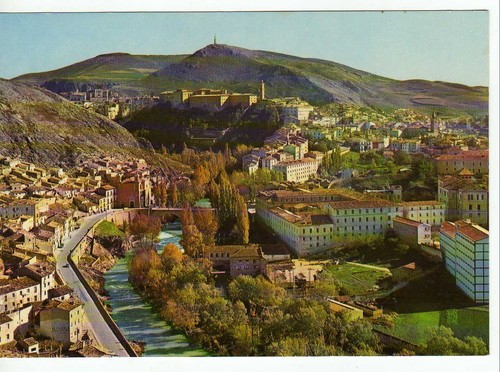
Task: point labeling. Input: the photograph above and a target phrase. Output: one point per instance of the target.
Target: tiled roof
(407, 221)
(466, 155)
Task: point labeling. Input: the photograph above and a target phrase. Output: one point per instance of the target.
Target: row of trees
(231, 210)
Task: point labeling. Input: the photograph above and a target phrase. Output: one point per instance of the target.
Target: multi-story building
(412, 232)
(465, 248)
(405, 145)
(431, 212)
(464, 199)
(109, 192)
(17, 293)
(7, 328)
(26, 207)
(297, 170)
(43, 273)
(237, 259)
(475, 161)
(309, 222)
(134, 192)
(62, 320)
(295, 113)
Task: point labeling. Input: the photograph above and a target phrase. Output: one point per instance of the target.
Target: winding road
(95, 322)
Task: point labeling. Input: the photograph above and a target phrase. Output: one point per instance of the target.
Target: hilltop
(42, 127)
(238, 69)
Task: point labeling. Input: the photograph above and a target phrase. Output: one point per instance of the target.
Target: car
(66, 265)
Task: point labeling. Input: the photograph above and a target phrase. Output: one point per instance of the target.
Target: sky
(434, 45)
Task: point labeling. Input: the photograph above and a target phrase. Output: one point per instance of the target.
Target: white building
(297, 170)
(465, 248)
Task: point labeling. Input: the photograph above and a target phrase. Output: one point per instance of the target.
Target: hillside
(238, 69)
(40, 126)
(121, 71)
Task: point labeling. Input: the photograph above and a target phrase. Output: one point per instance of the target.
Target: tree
(174, 200)
(145, 227)
(402, 158)
(443, 342)
(207, 223)
(256, 291)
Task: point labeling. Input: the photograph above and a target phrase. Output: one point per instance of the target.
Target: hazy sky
(448, 46)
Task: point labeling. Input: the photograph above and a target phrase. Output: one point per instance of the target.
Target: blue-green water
(137, 319)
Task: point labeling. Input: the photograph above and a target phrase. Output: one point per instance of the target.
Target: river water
(137, 319)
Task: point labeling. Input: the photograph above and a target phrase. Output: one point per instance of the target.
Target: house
(42, 272)
(247, 261)
(412, 233)
(17, 293)
(7, 328)
(62, 320)
(30, 345)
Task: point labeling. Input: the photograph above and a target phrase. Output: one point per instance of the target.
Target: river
(137, 319)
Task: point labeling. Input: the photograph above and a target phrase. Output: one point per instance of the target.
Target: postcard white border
(456, 364)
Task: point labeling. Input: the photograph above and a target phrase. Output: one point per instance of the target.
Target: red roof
(407, 221)
(466, 155)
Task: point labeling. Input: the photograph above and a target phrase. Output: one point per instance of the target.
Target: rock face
(44, 128)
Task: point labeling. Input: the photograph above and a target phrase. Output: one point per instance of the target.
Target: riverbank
(136, 318)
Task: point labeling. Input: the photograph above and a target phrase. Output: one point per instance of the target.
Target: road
(95, 322)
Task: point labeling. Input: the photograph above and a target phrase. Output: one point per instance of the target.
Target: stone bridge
(163, 212)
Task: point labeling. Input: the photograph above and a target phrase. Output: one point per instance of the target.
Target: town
(312, 205)
(320, 189)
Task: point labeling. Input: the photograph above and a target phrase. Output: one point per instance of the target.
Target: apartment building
(309, 222)
(475, 161)
(431, 212)
(62, 320)
(465, 248)
(42, 272)
(297, 170)
(464, 199)
(17, 293)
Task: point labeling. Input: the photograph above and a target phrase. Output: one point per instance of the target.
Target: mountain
(240, 70)
(118, 70)
(42, 127)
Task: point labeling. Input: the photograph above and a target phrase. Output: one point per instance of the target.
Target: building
(352, 313)
(406, 145)
(17, 293)
(109, 192)
(310, 222)
(431, 212)
(297, 170)
(392, 193)
(42, 272)
(465, 249)
(62, 320)
(464, 199)
(247, 261)
(237, 259)
(176, 98)
(7, 328)
(475, 161)
(134, 192)
(412, 233)
(295, 113)
(360, 144)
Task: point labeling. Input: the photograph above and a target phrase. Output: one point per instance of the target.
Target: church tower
(215, 39)
(262, 90)
(434, 126)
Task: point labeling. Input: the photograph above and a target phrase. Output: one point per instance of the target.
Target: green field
(356, 279)
(108, 229)
(415, 327)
